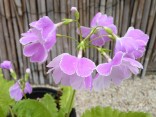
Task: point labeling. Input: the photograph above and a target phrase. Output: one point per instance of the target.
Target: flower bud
(74, 9)
(28, 71)
(6, 65)
(108, 30)
(76, 13)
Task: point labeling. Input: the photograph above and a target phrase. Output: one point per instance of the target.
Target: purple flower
(16, 92)
(116, 70)
(6, 65)
(72, 71)
(100, 36)
(133, 43)
(28, 88)
(39, 39)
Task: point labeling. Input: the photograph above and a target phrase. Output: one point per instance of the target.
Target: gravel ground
(131, 95)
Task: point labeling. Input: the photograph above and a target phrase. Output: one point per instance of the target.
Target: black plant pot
(39, 92)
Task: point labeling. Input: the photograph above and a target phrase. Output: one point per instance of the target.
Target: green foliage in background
(49, 102)
(5, 101)
(31, 108)
(109, 112)
(66, 101)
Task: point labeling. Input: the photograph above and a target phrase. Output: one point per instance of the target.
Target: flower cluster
(78, 71)
(70, 70)
(39, 39)
(99, 22)
(81, 72)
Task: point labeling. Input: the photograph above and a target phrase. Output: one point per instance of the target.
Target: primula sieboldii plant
(77, 71)
(21, 86)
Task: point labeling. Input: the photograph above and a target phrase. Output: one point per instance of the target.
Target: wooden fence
(15, 16)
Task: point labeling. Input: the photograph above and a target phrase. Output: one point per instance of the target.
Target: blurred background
(15, 16)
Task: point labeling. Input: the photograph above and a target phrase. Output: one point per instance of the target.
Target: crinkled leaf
(109, 112)
(49, 102)
(65, 101)
(5, 100)
(31, 108)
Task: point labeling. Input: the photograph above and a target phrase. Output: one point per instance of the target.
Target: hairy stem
(59, 35)
(98, 37)
(79, 28)
(59, 24)
(106, 56)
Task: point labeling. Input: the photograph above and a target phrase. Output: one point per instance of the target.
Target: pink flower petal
(84, 30)
(133, 62)
(117, 59)
(95, 19)
(40, 55)
(33, 35)
(44, 24)
(30, 49)
(65, 80)
(6, 65)
(76, 81)
(101, 82)
(88, 82)
(56, 61)
(96, 40)
(137, 34)
(128, 44)
(57, 75)
(16, 92)
(68, 64)
(85, 67)
(104, 69)
(117, 76)
(28, 88)
(50, 40)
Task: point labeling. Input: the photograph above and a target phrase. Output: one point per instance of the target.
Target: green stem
(79, 25)
(97, 37)
(59, 35)
(71, 102)
(25, 96)
(102, 53)
(92, 32)
(12, 114)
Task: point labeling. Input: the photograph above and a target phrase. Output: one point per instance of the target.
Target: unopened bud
(74, 9)
(108, 30)
(28, 71)
(76, 13)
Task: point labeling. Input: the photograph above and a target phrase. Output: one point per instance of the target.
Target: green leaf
(2, 112)
(5, 100)
(31, 108)
(66, 102)
(109, 112)
(49, 102)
